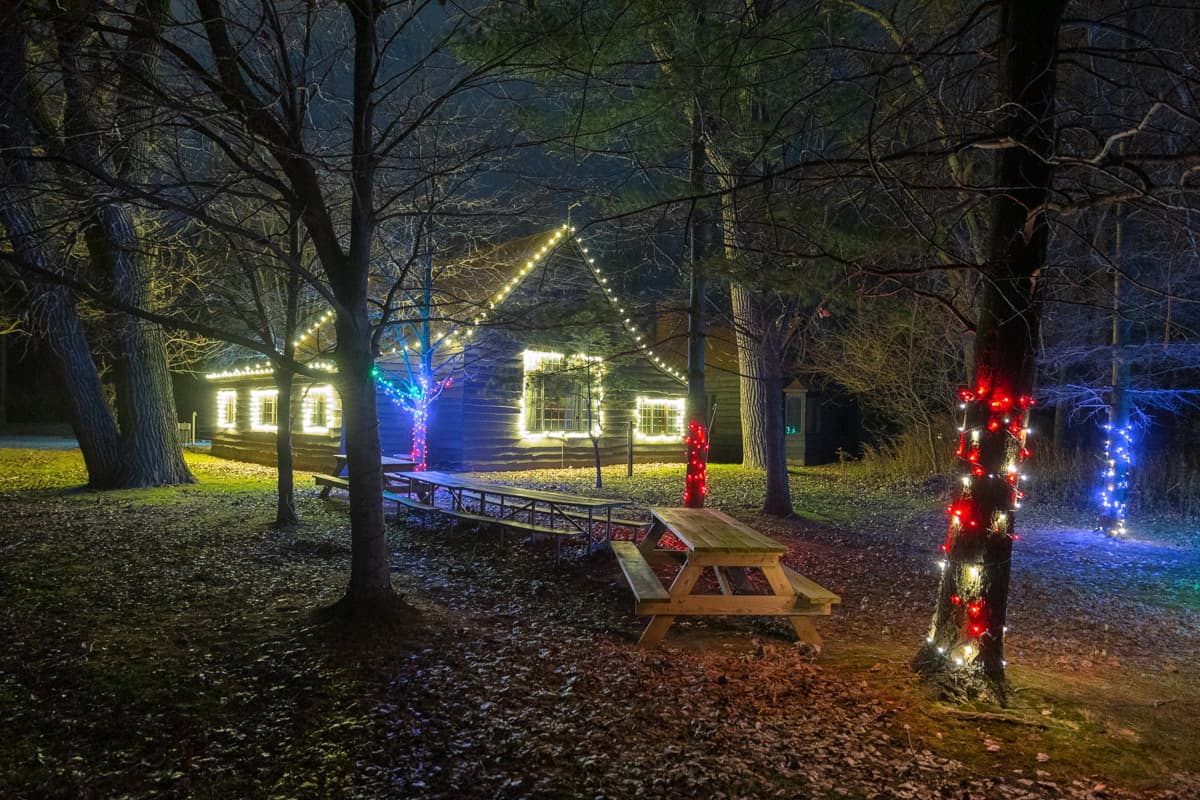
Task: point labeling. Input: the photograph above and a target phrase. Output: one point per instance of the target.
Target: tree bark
(752, 368)
(1118, 440)
(368, 594)
(151, 452)
(696, 439)
(964, 651)
(285, 505)
(761, 397)
(51, 307)
(370, 566)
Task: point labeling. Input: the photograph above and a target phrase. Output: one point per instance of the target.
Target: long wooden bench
(507, 522)
(642, 581)
(600, 519)
(402, 501)
(327, 482)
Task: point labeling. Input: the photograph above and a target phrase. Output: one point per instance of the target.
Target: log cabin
(521, 357)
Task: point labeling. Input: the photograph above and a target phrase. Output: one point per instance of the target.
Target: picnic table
(535, 510)
(391, 466)
(716, 541)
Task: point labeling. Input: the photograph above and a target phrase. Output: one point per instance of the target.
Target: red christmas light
(695, 487)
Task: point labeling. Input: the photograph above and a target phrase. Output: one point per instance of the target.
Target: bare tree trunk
(91, 420)
(285, 505)
(151, 452)
(370, 583)
(369, 591)
(52, 310)
(1118, 458)
(696, 439)
(964, 651)
(778, 499)
(752, 396)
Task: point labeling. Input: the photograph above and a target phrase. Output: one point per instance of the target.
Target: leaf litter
(161, 644)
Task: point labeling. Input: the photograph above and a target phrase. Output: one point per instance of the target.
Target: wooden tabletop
(706, 530)
(451, 481)
(388, 463)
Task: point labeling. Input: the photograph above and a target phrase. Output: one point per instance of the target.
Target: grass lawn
(162, 643)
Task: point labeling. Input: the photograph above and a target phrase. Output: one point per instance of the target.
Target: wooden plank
(641, 578)
(808, 589)
(461, 482)
(706, 529)
(327, 482)
(722, 558)
(717, 605)
(409, 502)
(601, 519)
(483, 519)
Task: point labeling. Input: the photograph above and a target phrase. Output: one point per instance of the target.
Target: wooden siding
(312, 451)
(476, 423)
(725, 416)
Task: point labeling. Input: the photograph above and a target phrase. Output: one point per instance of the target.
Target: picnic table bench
(716, 541)
(513, 507)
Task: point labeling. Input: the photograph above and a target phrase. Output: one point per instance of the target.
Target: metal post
(629, 451)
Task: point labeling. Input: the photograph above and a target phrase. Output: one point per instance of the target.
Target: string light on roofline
(265, 368)
(631, 328)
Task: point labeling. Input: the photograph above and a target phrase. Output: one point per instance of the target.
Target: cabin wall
(476, 424)
(395, 426)
(312, 451)
(725, 416)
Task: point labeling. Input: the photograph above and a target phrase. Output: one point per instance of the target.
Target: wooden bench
(327, 482)
(636, 524)
(642, 581)
(407, 502)
(820, 600)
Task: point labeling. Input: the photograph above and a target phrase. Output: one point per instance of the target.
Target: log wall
(312, 451)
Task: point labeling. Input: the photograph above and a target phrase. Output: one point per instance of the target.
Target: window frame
(227, 409)
(535, 374)
(644, 402)
(308, 418)
(257, 396)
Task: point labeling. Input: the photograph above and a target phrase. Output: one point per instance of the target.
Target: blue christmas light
(1114, 479)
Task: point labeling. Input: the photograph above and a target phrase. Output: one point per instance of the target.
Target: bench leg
(807, 632)
(656, 630)
(325, 492)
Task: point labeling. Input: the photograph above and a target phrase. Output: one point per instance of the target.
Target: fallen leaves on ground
(161, 644)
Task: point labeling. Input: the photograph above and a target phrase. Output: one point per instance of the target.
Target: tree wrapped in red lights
(696, 483)
(964, 650)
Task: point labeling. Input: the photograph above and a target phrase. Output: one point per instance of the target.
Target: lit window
(561, 396)
(227, 408)
(264, 409)
(659, 419)
(318, 410)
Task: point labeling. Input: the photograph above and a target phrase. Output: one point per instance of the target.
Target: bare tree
(141, 446)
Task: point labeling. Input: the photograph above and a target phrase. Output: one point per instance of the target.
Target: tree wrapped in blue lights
(1114, 478)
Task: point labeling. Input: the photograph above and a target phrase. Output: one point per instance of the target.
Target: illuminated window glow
(317, 413)
(264, 409)
(227, 408)
(659, 419)
(555, 395)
